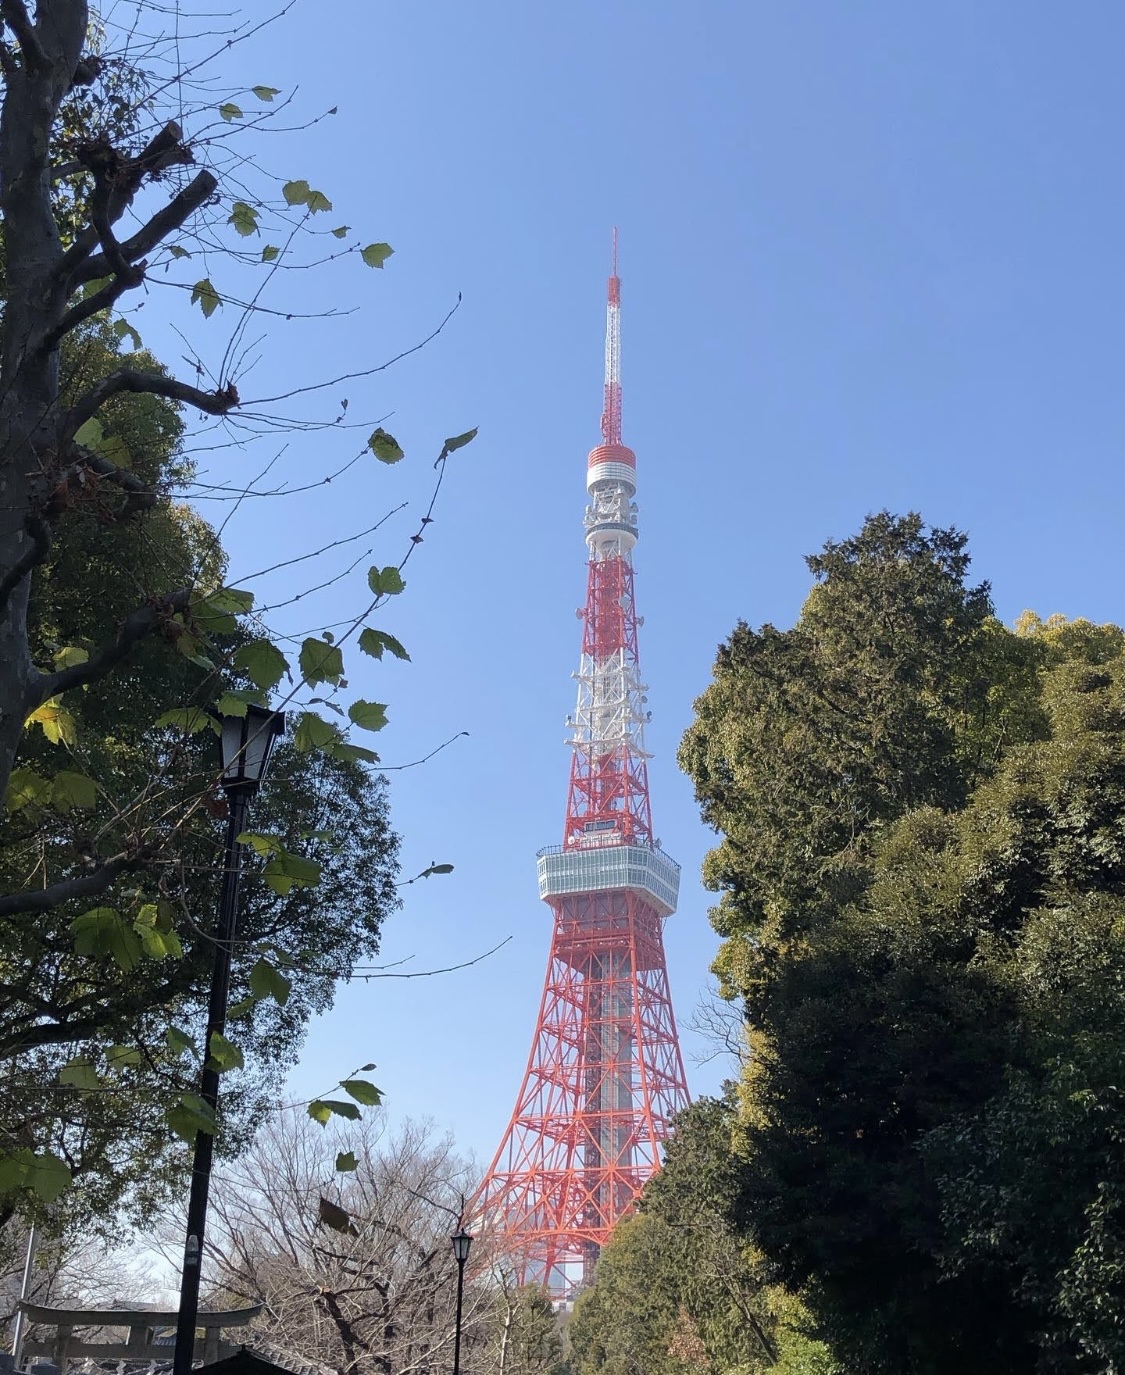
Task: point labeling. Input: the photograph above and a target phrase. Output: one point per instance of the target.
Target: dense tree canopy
(923, 817)
(677, 1290)
(105, 1028)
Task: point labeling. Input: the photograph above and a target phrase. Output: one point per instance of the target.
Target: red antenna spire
(611, 413)
(605, 1076)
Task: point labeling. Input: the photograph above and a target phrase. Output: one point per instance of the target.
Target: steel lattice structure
(605, 1075)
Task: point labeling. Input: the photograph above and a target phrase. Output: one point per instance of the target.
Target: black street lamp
(461, 1242)
(245, 743)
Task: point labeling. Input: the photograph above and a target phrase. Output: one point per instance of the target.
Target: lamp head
(245, 745)
(461, 1240)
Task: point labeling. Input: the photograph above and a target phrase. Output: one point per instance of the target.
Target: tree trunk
(36, 292)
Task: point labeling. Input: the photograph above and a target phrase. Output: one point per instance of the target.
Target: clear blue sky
(871, 257)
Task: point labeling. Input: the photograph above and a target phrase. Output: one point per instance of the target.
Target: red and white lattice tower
(605, 1075)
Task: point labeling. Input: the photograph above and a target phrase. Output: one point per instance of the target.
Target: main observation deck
(641, 869)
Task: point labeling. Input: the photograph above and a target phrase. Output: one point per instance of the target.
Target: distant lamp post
(245, 745)
(461, 1242)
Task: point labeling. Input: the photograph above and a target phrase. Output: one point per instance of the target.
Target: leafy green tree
(117, 632)
(677, 1289)
(920, 814)
(89, 1047)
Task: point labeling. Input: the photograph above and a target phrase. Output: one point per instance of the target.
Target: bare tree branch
(146, 383)
(84, 310)
(82, 886)
(14, 13)
(50, 1034)
(152, 234)
(123, 178)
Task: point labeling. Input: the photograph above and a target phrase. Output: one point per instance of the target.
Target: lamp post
(461, 1242)
(245, 744)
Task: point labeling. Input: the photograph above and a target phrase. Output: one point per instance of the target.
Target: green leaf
(218, 612)
(178, 1041)
(318, 201)
(265, 93)
(73, 790)
(375, 255)
(313, 733)
(244, 218)
(208, 298)
(48, 1176)
(189, 719)
(332, 1215)
(262, 843)
(158, 940)
(225, 601)
(27, 789)
(45, 1175)
(70, 655)
(296, 192)
(56, 723)
(373, 642)
(321, 1109)
(270, 252)
(385, 582)
(229, 110)
(385, 446)
(341, 232)
(231, 704)
(116, 450)
(80, 1073)
(354, 754)
(368, 715)
(263, 663)
(457, 442)
(190, 647)
(121, 328)
(363, 1092)
(121, 1057)
(286, 871)
(346, 1163)
(191, 1114)
(178, 252)
(320, 662)
(268, 982)
(225, 1055)
(89, 433)
(101, 932)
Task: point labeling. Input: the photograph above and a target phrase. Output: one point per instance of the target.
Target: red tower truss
(605, 1075)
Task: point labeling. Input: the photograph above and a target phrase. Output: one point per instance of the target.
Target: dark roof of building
(248, 1361)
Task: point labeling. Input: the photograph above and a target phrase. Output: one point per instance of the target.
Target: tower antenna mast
(611, 411)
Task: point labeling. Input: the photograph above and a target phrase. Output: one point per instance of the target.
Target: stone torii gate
(142, 1343)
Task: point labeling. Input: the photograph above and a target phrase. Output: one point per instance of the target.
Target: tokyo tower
(605, 1075)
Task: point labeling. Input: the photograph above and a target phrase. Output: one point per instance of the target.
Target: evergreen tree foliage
(676, 1289)
(922, 859)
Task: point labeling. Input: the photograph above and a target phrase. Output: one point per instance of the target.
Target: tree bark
(36, 297)
(42, 468)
